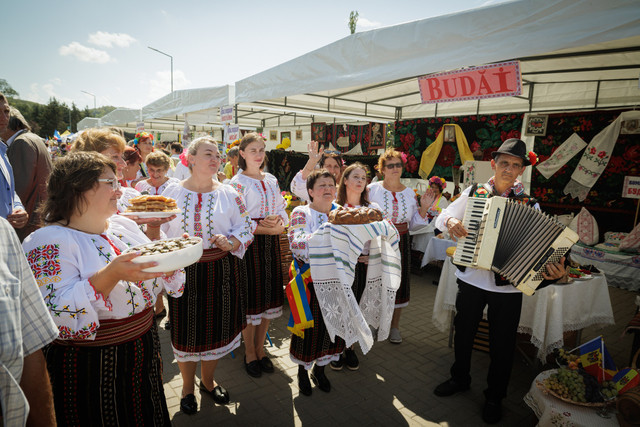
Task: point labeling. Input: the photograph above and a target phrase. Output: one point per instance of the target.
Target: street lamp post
(94, 99)
(166, 54)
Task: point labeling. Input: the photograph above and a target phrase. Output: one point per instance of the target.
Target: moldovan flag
(298, 296)
(626, 379)
(596, 360)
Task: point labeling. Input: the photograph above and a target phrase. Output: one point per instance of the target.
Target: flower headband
(143, 135)
(438, 181)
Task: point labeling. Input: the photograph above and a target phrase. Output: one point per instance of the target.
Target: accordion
(511, 239)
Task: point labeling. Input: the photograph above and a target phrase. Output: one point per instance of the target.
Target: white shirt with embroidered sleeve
(304, 222)
(63, 260)
(25, 324)
(155, 191)
(261, 197)
(299, 187)
(221, 211)
(398, 207)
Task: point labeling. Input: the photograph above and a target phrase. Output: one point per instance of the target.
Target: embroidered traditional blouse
(154, 191)
(299, 187)
(261, 197)
(397, 207)
(304, 221)
(63, 259)
(221, 211)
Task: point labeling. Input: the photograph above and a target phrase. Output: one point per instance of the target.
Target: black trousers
(503, 316)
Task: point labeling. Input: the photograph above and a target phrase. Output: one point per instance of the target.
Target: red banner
(487, 81)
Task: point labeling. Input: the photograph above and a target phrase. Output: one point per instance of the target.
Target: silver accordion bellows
(511, 239)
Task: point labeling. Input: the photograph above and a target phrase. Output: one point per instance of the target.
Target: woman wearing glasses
(105, 367)
(331, 161)
(262, 261)
(400, 206)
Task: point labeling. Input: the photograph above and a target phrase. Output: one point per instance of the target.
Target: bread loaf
(351, 216)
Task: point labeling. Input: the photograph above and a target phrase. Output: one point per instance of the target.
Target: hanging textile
(572, 146)
(430, 155)
(596, 157)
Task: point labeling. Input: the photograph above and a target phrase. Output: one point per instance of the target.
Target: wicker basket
(564, 399)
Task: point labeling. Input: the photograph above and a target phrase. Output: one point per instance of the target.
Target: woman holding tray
(262, 261)
(207, 321)
(105, 367)
(400, 206)
(314, 347)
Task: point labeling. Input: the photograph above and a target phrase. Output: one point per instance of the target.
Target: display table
(622, 269)
(436, 250)
(554, 412)
(546, 315)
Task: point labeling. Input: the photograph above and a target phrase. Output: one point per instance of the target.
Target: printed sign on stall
(233, 133)
(631, 188)
(226, 114)
(139, 127)
(486, 81)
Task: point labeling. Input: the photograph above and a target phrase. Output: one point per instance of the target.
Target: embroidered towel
(572, 146)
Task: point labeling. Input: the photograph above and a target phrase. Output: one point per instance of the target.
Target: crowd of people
(86, 347)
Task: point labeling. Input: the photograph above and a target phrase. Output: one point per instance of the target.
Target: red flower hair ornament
(533, 158)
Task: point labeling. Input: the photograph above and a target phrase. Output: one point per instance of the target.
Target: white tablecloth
(545, 315)
(436, 250)
(554, 412)
(622, 269)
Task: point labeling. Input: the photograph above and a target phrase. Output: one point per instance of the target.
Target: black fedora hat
(514, 147)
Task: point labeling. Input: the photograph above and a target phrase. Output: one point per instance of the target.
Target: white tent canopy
(574, 54)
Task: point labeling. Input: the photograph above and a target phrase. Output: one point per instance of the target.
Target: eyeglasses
(115, 185)
(332, 152)
(393, 165)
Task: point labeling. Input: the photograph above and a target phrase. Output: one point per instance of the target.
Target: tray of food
(576, 387)
(152, 207)
(579, 274)
(170, 254)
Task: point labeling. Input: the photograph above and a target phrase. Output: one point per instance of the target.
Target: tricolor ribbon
(298, 296)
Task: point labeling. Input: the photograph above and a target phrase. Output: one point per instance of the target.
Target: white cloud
(365, 24)
(104, 39)
(43, 92)
(84, 53)
(160, 85)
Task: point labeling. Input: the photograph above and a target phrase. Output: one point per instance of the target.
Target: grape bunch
(569, 384)
(592, 388)
(609, 390)
(565, 358)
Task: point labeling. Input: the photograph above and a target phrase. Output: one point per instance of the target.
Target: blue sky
(63, 48)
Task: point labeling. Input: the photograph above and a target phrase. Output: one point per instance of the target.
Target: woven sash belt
(402, 227)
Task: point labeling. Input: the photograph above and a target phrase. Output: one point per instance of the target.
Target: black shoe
(266, 365)
(351, 359)
(303, 383)
(167, 326)
(188, 404)
(219, 394)
(449, 387)
(492, 412)
(337, 365)
(320, 379)
(253, 368)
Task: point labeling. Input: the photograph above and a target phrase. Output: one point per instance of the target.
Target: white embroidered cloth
(596, 157)
(333, 254)
(572, 146)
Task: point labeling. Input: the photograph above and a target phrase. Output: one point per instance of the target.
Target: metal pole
(94, 99)
(165, 54)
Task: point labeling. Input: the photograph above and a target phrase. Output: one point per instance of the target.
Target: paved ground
(393, 386)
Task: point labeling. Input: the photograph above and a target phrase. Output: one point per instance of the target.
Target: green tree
(7, 90)
(52, 118)
(353, 20)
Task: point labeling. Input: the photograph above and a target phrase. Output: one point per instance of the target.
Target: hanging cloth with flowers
(596, 157)
(430, 155)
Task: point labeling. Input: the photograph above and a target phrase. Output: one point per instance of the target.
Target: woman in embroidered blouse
(332, 162)
(353, 193)
(262, 261)
(316, 348)
(400, 206)
(132, 159)
(108, 352)
(207, 321)
(143, 143)
(438, 185)
(158, 165)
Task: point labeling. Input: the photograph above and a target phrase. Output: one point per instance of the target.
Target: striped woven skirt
(109, 385)
(265, 293)
(402, 296)
(316, 346)
(359, 280)
(206, 321)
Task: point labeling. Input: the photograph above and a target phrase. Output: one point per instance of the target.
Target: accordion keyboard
(467, 248)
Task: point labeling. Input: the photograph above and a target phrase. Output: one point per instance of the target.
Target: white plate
(152, 214)
(170, 261)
